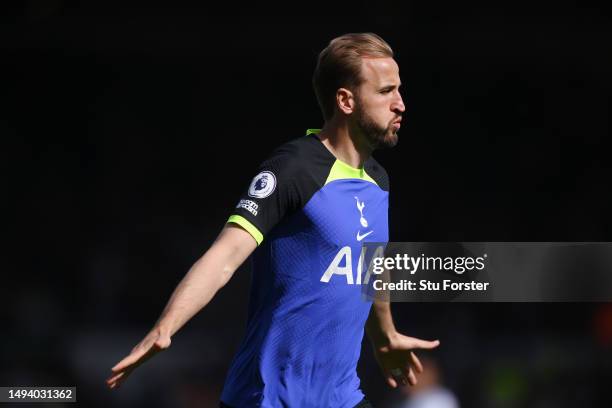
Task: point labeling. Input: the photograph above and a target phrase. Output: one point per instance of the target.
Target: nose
(398, 104)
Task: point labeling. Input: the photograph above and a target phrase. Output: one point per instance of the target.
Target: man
(309, 209)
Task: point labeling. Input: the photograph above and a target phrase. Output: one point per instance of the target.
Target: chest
(349, 212)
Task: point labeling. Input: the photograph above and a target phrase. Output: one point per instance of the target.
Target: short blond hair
(339, 66)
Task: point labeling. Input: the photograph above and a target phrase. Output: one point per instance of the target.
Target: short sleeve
(271, 195)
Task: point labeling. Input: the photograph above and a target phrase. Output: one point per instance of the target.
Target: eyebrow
(389, 87)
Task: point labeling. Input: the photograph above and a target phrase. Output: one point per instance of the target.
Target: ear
(345, 101)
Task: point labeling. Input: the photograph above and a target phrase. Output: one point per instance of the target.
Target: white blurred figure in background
(429, 391)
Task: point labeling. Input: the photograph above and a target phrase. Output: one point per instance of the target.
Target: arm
(394, 351)
(209, 274)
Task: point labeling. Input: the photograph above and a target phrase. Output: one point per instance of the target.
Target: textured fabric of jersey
(310, 214)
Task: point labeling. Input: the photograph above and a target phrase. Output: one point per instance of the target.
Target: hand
(157, 340)
(398, 361)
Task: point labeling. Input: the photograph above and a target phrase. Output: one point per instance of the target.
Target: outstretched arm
(209, 274)
(394, 351)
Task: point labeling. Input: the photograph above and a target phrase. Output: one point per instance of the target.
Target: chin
(389, 140)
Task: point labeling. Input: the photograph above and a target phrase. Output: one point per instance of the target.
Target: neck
(345, 143)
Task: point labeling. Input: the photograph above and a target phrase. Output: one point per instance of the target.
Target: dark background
(129, 132)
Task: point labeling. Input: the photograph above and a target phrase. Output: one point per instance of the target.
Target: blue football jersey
(310, 214)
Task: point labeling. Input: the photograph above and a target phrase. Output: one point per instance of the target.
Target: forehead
(380, 71)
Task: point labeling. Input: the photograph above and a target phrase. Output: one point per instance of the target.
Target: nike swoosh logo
(360, 237)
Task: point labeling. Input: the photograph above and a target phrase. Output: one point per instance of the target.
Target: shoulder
(303, 157)
(377, 172)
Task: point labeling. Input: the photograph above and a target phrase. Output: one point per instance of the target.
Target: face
(378, 103)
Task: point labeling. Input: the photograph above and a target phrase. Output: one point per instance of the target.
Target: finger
(145, 344)
(115, 385)
(140, 355)
(398, 375)
(128, 361)
(154, 349)
(115, 378)
(426, 344)
(120, 379)
(391, 381)
(112, 384)
(416, 363)
(411, 377)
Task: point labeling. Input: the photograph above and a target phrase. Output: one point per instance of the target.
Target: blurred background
(129, 132)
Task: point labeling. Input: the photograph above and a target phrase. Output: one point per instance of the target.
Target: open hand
(397, 359)
(156, 341)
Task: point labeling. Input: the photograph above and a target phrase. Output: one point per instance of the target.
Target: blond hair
(339, 66)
